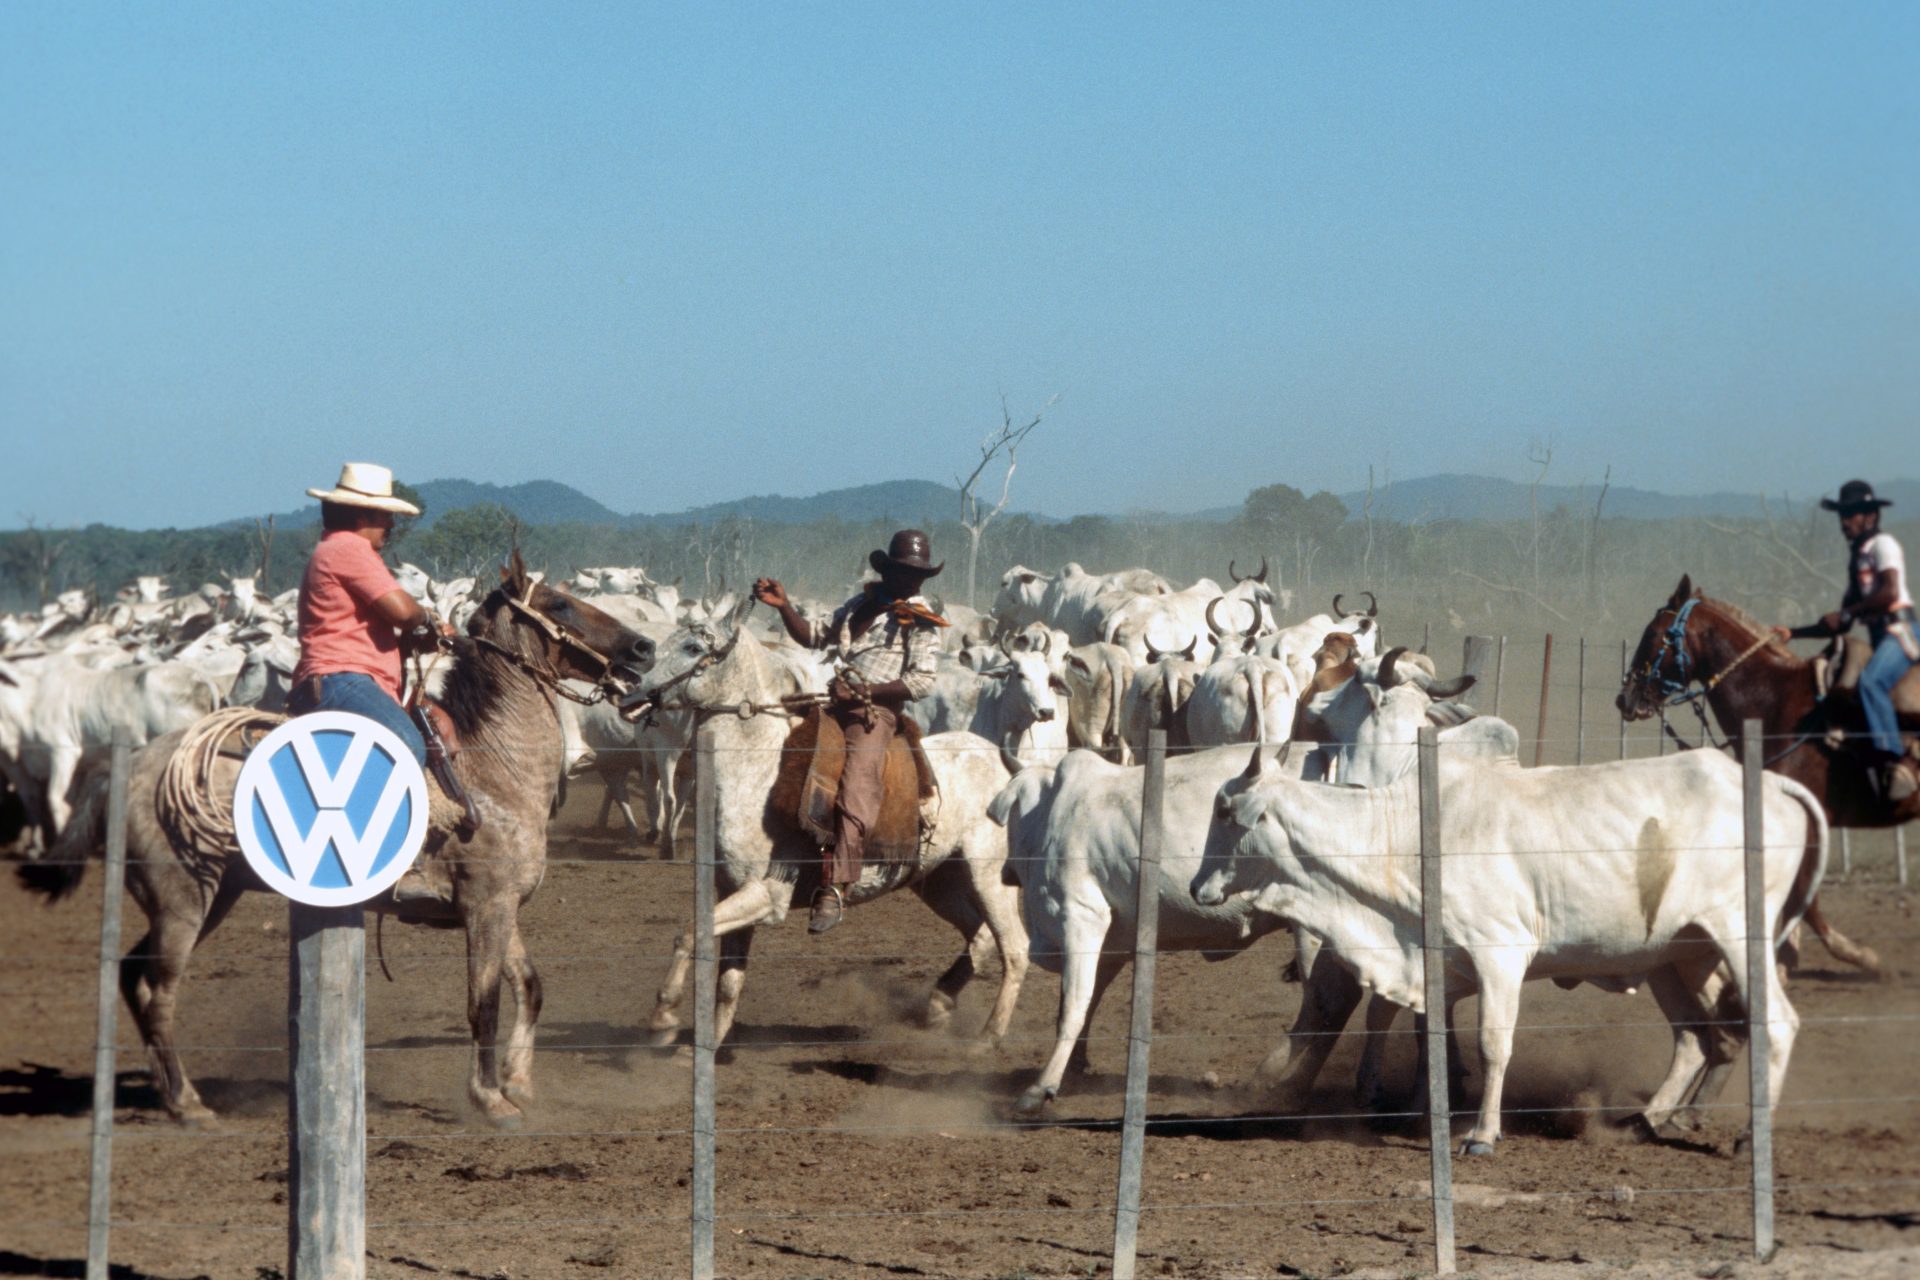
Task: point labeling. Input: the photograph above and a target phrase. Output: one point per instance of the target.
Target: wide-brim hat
(1855, 496)
(363, 484)
(909, 551)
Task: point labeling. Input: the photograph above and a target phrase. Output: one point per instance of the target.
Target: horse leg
(1840, 946)
(489, 936)
(750, 905)
(949, 900)
(617, 793)
(606, 803)
(516, 1072)
(731, 981)
(150, 978)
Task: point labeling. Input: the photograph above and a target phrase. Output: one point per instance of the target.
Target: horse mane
(477, 680)
(1734, 613)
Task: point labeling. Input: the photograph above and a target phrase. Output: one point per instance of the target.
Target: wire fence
(708, 1200)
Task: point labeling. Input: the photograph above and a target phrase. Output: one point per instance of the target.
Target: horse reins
(1679, 692)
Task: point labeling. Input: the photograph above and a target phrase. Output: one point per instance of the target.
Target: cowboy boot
(430, 879)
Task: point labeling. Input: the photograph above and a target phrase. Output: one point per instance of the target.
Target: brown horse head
(1668, 657)
(556, 631)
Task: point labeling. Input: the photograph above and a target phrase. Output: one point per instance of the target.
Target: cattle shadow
(36, 1090)
(21, 1264)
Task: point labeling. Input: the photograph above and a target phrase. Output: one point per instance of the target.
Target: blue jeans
(362, 695)
(1883, 671)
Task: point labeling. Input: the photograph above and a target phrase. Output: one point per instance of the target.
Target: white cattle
(1296, 644)
(1073, 600)
(1016, 705)
(1145, 621)
(1612, 873)
(1096, 676)
(1225, 706)
(1156, 698)
(56, 711)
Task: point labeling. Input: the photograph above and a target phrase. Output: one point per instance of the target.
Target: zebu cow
(1097, 676)
(1156, 698)
(55, 711)
(764, 861)
(1295, 645)
(1224, 707)
(1184, 613)
(1073, 600)
(1611, 873)
(1016, 705)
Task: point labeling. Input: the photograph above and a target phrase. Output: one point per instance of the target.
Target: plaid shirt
(887, 650)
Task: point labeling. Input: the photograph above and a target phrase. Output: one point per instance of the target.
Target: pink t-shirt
(338, 629)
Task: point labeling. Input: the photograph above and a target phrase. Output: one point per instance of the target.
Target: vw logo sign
(330, 809)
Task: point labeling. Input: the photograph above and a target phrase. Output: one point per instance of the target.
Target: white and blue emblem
(330, 809)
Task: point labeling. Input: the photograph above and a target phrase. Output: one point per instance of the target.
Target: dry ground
(853, 1143)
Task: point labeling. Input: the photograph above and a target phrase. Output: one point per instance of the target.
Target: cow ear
(1681, 593)
(1078, 663)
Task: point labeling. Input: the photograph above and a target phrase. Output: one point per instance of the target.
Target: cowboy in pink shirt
(355, 623)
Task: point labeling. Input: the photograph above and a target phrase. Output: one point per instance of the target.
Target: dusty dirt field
(854, 1143)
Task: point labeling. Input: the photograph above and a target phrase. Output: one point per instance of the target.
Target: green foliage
(465, 541)
(402, 525)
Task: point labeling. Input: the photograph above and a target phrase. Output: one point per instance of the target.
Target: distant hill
(535, 502)
(904, 501)
(1429, 498)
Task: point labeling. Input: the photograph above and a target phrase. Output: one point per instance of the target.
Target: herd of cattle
(1291, 803)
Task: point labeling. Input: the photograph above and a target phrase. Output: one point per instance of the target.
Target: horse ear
(1681, 593)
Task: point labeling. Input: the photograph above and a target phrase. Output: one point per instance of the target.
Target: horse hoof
(1471, 1147)
(520, 1095)
(939, 1013)
(196, 1117)
(663, 1037)
(1032, 1102)
(984, 1047)
(499, 1113)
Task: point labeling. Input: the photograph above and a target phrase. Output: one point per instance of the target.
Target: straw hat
(362, 484)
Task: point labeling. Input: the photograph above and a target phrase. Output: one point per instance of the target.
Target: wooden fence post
(1540, 726)
(1580, 707)
(1623, 682)
(1759, 973)
(106, 1028)
(706, 977)
(327, 1105)
(1146, 941)
(1433, 945)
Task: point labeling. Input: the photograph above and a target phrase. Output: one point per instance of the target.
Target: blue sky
(676, 254)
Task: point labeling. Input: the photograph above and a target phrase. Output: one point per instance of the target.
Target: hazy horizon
(672, 256)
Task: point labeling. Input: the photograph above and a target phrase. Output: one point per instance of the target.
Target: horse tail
(60, 871)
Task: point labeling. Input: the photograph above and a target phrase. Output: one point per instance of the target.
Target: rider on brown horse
(1876, 595)
(885, 642)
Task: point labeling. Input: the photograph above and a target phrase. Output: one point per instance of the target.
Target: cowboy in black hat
(886, 644)
(1877, 595)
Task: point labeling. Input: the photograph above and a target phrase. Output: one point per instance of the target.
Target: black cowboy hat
(1855, 496)
(908, 550)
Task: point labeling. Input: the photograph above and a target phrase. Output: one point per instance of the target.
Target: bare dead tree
(1001, 444)
(1366, 514)
(40, 553)
(1540, 454)
(263, 548)
(1593, 535)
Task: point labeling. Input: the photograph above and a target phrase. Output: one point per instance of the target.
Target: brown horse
(500, 693)
(1744, 673)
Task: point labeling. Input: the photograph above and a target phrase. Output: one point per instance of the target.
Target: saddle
(808, 786)
(1837, 668)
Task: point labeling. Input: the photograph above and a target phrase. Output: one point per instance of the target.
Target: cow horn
(1191, 652)
(1013, 762)
(1260, 577)
(1386, 666)
(1253, 627)
(1452, 688)
(1154, 655)
(1046, 644)
(1338, 612)
(1373, 605)
(1231, 574)
(1213, 626)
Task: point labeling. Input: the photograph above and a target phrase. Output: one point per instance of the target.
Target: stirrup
(828, 909)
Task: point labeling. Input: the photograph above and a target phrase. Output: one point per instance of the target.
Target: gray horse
(712, 671)
(501, 692)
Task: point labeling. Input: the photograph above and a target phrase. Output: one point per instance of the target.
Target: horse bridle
(1677, 689)
(544, 673)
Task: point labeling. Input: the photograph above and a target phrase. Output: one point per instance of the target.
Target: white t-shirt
(1875, 556)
